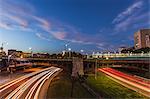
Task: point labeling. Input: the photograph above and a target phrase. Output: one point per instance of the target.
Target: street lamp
(30, 48)
(81, 51)
(3, 45)
(66, 45)
(69, 49)
(82, 54)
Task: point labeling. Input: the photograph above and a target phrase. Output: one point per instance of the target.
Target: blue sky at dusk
(91, 25)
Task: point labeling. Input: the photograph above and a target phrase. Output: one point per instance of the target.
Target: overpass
(90, 64)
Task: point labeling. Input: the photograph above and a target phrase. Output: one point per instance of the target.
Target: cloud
(134, 17)
(78, 41)
(5, 26)
(43, 23)
(68, 33)
(86, 41)
(15, 14)
(134, 21)
(129, 11)
(24, 18)
(16, 7)
(19, 20)
(22, 22)
(41, 36)
(59, 35)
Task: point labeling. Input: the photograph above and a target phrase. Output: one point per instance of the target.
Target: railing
(112, 55)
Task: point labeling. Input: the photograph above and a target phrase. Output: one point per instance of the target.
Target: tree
(133, 50)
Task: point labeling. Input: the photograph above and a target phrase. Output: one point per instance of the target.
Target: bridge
(29, 84)
(142, 63)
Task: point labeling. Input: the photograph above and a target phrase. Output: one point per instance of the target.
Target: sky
(90, 25)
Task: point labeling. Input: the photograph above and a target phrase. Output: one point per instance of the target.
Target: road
(28, 86)
(129, 81)
(6, 76)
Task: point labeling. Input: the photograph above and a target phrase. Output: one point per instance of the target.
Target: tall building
(142, 38)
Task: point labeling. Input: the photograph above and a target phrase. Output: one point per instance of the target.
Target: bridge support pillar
(77, 68)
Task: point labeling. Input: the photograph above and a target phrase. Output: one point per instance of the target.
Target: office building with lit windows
(142, 39)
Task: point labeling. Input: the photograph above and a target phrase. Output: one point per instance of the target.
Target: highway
(28, 86)
(132, 82)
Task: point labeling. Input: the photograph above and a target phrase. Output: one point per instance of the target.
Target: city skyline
(84, 25)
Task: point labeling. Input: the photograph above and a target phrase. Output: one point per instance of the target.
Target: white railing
(120, 55)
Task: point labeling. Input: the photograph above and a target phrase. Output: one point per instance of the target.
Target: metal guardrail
(120, 55)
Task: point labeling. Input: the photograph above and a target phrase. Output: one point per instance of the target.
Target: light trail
(129, 77)
(38, 90)
(28, 83)
(34, 88)
(128, 81)
(20, 79)
(17, 92)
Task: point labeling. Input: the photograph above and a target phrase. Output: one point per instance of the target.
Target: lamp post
(69, 49)
(3, 46)
(128, 53)
(114, 54)
(81, 51)
(4, 43)
(30, 48)
(66, 47)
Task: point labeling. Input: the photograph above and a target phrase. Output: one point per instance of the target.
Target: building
(19, 53)
(26, 55)
(14, 53)
(41, 55)
(11, 51)
(2, 53)
(142, 39)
